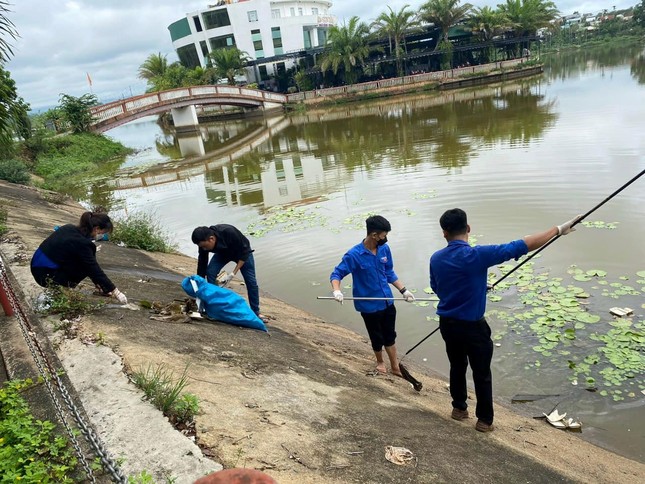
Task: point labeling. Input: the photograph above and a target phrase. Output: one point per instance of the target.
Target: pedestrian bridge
(182, 103)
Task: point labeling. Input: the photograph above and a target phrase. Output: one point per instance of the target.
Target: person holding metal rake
(370, 264)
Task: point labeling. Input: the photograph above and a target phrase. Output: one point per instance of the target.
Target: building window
(322, 37)
(280, 68)
(256, 37)
(277, 40)
(202, 45)
(253, 15)
(264, 75)
(222, 42)
(314, 11)
(292, 11)
(307, 37)
(198, 24)
(300, 11)
(216, 19)
(275, 13)
(188, 56)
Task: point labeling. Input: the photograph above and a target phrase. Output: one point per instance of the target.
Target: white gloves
(228, 279)
(566, 228)
(408, 296)
(119, 296)
(338, 296)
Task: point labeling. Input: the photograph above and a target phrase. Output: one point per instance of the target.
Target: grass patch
(4, 213)
(30, 451)
(66, 158)
(165, 392)
(67, 302)
(142, 231)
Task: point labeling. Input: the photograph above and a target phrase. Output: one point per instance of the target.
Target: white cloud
(60, 42)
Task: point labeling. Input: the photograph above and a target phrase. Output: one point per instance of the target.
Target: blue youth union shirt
(372, 275)
(459, 273)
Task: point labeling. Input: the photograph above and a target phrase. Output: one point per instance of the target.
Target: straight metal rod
(348, 298)
(558, 236)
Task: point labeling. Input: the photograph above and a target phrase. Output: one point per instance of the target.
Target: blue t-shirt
(459, 273)
(371, 275)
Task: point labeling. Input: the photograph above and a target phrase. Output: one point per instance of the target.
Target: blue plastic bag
(222, 304)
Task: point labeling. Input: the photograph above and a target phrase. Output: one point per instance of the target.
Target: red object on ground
(236, 476)
(4, 300)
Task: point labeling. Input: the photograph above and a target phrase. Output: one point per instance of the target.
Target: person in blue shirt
(458, 276)
(370, 264)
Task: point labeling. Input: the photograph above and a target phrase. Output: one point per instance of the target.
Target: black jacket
(75, 254)
(231, 245)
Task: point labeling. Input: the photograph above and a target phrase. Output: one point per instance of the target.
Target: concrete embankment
(298, 403)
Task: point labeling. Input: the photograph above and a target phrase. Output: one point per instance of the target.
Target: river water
(518, 157)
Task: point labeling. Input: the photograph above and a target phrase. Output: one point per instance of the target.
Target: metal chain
(49, 374)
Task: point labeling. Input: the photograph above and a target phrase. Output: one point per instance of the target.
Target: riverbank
(298, 403)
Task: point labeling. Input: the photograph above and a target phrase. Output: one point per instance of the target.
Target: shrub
(14, 171)
(3, 220)
(30, 450)
(165, 392)
(141, 231)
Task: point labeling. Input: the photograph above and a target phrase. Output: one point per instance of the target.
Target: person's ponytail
(89, 220)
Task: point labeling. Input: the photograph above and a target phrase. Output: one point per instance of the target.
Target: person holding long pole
(458, 276)
(370, 264)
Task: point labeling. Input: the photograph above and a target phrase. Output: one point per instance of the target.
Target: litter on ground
(398, 455)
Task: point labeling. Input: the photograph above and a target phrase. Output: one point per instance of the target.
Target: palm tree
(395, 25)
(444, 14)
(6, 29)
(527, 16)
(488, 23)
(347, 47)
(228, 63)
(156, 65)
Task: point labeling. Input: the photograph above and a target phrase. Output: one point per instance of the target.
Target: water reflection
(638, 68)
(283, 160)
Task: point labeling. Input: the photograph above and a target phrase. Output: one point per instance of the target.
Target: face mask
(382, 241)
(101, 237)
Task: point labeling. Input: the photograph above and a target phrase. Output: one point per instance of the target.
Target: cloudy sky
(61, 42)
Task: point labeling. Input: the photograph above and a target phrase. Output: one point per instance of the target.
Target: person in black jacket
(227, 244)
(68, 256)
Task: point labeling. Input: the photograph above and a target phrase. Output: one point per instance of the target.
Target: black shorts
(380, 327)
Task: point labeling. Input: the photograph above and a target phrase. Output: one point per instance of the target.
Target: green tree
(527, 16)
(488, 23)
(639, 14)
(76, 111)
(347, 49)
(155, 65)
(444, 14)
(228, 63)
(395, 25)
(14, 120)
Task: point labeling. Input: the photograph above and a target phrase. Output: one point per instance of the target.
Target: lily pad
(582, 277)
(596, 272)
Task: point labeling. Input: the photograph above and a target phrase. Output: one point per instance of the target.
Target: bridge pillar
(269, 105)
(185, 117)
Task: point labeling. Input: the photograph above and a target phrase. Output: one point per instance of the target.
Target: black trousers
(469, 342)
(45, 275)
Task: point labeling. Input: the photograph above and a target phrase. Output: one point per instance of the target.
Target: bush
(67, 302)
(141, 231)
(30, 450)
(14, 171)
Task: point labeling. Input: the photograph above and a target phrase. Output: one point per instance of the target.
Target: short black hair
(454, 221)
(376, 223)
(200, 234)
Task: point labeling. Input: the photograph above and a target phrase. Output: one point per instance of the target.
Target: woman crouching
(68, 256)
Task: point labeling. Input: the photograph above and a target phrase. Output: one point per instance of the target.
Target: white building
(274, 33)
